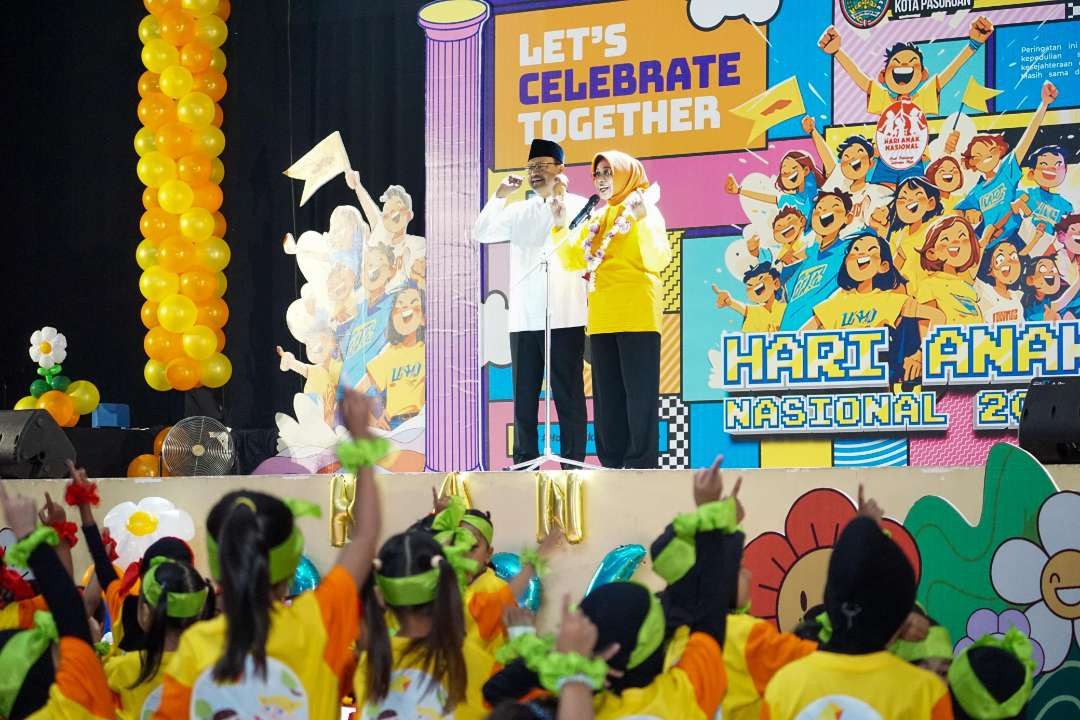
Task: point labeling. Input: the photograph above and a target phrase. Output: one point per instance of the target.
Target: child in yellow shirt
(950, 258)
(399, 369)
(916, 202)
(766, 291)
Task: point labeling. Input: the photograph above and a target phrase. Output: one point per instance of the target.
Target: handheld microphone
(594, 200)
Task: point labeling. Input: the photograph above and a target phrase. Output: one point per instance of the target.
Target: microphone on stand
(594, 200)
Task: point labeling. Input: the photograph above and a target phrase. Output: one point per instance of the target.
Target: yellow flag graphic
(320, 164)
(779, 103)
(975, 95)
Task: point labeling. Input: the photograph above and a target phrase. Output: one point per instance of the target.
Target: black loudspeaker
(32, 445)
(1050, 421)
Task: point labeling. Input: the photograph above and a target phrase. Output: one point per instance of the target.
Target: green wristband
(363, 452)
(19, 553)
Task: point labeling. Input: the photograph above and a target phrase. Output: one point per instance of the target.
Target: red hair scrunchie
(110, 544)
(68, 532)
(76, 495)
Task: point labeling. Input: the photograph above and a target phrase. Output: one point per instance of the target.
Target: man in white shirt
(527, 227)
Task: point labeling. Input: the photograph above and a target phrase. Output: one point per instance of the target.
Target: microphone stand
(548, 454)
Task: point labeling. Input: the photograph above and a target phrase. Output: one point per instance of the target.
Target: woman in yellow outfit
(621, 248)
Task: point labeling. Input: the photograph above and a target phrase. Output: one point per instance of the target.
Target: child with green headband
(261, 657)
(50, 670)
(992, 678)
(173, 597)
(933, 652)
(426, 668)
(703, 564)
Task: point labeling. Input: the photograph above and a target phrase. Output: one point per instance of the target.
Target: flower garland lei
(621, 226)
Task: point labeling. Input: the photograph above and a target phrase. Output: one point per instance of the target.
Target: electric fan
(198, 446)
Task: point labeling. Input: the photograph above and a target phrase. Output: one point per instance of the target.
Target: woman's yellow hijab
(629, 174)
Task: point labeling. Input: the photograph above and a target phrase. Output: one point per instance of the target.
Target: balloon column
(182, 253)
(65, 400)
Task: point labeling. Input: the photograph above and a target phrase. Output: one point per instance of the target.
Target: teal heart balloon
(507, 566)
(306, 578)
(619, 564)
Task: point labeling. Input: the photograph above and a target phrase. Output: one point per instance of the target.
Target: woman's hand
(558, 211)
(636, 204)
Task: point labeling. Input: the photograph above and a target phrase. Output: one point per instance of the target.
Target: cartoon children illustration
(947, 176)
(322, 373)
(1042, 206)
(903, 78)
(389, 224)
(855, 158)
(950, 256)
(766, 293)
(344, 241)
(1046, 295)
(998, 282)
(814, 279)
(366, 335)
(399, 370)
(989, 203)
(1068, 247)
(917, 200)
(798, 183)
(789, 226)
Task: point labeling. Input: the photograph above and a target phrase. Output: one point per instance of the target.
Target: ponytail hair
(416, 554)
(245, 525)
(172, 577)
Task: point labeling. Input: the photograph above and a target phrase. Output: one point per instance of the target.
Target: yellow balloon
(214, 253)
(84, 394)
(145, 140)
(217, 60)
(154, 374)
(158, 55)
(27, 403)
(199, 8)
(146, 254)
(155, 169)
(199, 342)
(177, 313)
(197, 224)
(175, 196)
(156, 283)
(215, 371)
(195, 108)
(222, 285)
(149, 28)
(217, 171)
(211, 30)
(210, 140)
(176, 81)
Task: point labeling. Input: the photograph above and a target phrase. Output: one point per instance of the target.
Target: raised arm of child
(357, 556)
(829, 42)
(828, 161)
(724, 300)
(732, 187)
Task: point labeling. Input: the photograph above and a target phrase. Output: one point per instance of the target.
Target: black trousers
(626, 398)
(567, 385)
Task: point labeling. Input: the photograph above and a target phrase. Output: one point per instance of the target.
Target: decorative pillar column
(452, 148)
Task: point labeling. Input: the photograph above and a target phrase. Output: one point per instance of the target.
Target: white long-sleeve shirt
(527, 227)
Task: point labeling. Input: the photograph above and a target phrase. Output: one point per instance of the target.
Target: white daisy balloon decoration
(48, 347)
(1046, 577)
(135, 527)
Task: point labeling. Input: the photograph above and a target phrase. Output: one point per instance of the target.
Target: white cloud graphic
(709, 14)
(495, 330)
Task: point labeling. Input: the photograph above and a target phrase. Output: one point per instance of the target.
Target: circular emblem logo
(902, 135)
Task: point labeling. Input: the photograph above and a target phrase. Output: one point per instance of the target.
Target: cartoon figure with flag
(903, 95)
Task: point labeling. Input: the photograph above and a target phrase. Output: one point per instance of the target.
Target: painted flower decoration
(788, 570)
(985, 622)
(136, 527)
(1046, 577)
(48, 347)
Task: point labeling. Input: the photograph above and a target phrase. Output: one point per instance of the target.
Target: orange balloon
(177, 27)
(220, 339)
(199, 285)
(57, 404)
(144, 466)
(156, 224)
(160, 344)
(72, 421)
(149, 198)
(182, 373)
(195, 56)
(220, 226)
(173, 139)
(148, 315)
(214, 313)
(148, 83)
(159, 439)
(219, 116)
(194, 169)
(224, 9)
(208, 196)
(160, 7)
(212, 83)
(176, 253)
(156, 109)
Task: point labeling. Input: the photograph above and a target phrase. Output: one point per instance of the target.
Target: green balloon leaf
(39, 388)
(60, 382)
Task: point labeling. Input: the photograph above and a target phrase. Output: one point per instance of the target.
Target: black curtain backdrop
(297, 70)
